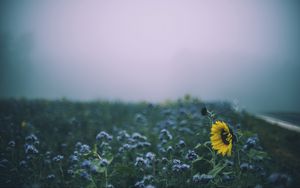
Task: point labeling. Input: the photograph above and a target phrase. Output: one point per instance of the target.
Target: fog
(246, 51)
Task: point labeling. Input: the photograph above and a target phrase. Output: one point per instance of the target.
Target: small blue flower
(85, 175)
(3, 163)
(94, 169)
(138, 136)
(273, 178)
(78, 145)
(164, 131)
(196, 178)
(85, 149)
(150, 186)
(165, 135)
(104, 136)
(139, 184)
(120, 150)
(246, 166)
(70, 172)
(141, 145)
(162, 150)
(131, 140)
(132, 147)
(150, 156)
(140, 119)
(126, 146)
(30, 149)
(51, 177)
(58, 158)
(103, 162)
(183, 111)
(176, 168)
(31, 139)
(105, 146)
(191, 155)
(148, 179)
(73, 158)
(146, 144)
(229, 163)
(164, 141)
(29, 157)
(86, 164)
(251, 142)
(203, 178)
(176, 161)
(23, 163)
(280, 180)
(139, 162)
(181, 143)
(184, 167)
(122, 135)
(227, 178)
(170, 122)
(11, 144)
(164, 160)
(164, 169)
(47, 154)
(170, 149)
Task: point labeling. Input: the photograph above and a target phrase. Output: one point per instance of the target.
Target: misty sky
(153, 50)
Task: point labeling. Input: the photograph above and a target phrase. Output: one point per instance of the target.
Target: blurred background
(241, 51)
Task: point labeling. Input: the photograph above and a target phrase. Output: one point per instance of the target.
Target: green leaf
(95, 149)
(198, 145)
(202, 164)
(217, 169)
(109, 157)
(227, 173)
(257, 155)
(96, 163)
(91, 185)
(198, 159)
(206, 143)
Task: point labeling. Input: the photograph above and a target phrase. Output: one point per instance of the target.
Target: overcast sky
(153, 50)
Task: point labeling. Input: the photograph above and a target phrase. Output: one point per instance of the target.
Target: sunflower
(221, 138)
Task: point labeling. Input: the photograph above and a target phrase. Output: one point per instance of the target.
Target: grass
(114, 144)
(281, 143)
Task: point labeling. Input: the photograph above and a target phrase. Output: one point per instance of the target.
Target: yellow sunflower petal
(222, 145)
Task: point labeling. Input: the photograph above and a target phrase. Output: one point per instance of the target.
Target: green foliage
(106, 144)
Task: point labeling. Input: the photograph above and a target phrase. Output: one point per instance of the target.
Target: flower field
(183, 143)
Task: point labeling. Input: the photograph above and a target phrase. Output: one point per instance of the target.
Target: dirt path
(280, 123)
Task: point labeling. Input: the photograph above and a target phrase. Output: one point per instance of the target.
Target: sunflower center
(225, 137)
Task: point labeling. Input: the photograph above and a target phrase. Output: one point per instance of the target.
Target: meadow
(66, 143)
